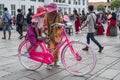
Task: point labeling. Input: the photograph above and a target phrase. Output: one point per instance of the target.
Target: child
(35, 29)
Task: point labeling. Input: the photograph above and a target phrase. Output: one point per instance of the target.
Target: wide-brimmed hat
(52, 7)
(40, 10)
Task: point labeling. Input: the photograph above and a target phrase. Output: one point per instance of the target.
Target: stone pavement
(107, 67)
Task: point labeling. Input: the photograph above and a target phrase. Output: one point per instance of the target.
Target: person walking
(90, 23)
(19, 23)
(77, 21)
(6, 19)
(29, 16)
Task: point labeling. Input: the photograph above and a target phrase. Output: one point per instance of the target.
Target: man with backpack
(19, 23)
(29, 16)
(90, 22)
(6, 19)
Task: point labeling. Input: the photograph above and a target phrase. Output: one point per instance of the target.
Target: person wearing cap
(35, 28)
(53, 32)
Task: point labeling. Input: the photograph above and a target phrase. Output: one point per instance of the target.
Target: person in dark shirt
(19, 23)
(29, 16)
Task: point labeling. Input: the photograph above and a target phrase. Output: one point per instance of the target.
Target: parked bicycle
(74, 59)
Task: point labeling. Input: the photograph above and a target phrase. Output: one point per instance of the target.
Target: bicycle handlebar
(59, 24)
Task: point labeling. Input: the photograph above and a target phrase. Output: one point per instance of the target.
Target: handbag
(113, 31)
(1, 22)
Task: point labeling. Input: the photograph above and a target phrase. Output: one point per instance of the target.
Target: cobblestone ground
(107, 67)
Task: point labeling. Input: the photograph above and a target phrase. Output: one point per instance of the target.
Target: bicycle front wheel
(25, 60)
(74, 66)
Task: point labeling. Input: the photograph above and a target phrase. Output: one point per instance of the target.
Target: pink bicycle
(75, 60)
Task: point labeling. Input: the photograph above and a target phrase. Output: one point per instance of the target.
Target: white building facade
(66, 5)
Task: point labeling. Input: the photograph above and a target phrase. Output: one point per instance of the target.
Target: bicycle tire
(82, 67)
(26, 61)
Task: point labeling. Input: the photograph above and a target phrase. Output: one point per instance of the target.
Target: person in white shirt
(91, 18)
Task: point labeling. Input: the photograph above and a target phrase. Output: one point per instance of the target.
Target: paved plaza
(107, 67)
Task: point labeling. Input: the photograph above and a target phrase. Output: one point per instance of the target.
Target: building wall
(65, 6)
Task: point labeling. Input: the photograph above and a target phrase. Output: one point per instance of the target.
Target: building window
(56, 0)
(33, 9)
(32, 0)
(74, 2)
(69, 1)
(60, 1)
(79, 2)
(40, 0)
(83, 2)
(65, 10)
(13, 9)
(23, 9)
(1, 8)
(63, 1)
(69, 11)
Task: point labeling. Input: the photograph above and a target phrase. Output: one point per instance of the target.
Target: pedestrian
(35, 28)
(29, 16)
(90, 23)
(99, 21)
(55, 32)
(6, 19)
(77, 21)
(19, 23)
(112, 23)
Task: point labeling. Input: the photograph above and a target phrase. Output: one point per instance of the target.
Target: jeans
(20, 29)
(91, 36)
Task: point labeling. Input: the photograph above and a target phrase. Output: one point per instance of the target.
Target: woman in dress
(112, 23)
(54, 32)
(77, 21)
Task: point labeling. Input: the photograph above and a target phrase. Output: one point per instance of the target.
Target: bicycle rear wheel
(25, 60)
(78, 67)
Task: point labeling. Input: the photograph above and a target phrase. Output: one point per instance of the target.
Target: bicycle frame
(47, 50)
(58, 46)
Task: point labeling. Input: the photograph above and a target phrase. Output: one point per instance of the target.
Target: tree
(115, 4)
(100, 8)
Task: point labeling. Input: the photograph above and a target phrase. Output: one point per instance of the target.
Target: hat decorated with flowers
(52, 7)
(40, 11)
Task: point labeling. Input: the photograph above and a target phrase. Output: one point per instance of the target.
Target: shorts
(6, 26)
